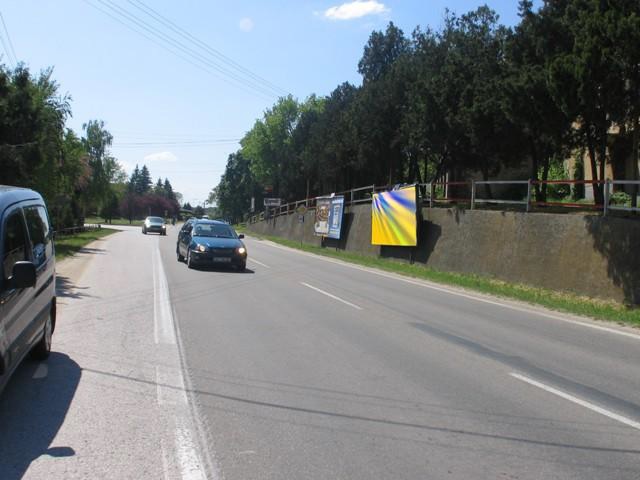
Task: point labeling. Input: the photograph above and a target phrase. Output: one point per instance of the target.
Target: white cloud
(355, 9)
(160, 157)
(246, 24)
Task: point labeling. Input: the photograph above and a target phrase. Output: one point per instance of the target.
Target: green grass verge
(66, 246)
(115, 221)
(560, 301)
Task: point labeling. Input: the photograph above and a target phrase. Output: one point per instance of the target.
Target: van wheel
(42, 349)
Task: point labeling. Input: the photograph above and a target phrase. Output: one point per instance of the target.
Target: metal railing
(607, 196)
(65, 232)
(434, 193)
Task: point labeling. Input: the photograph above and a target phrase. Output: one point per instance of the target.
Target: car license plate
(222, 259)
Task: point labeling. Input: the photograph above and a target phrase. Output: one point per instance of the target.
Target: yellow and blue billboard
(394, 219)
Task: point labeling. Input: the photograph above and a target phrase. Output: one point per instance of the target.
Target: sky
(178, 83)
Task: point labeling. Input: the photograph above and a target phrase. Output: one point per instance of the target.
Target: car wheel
(42, 349)
(180, 257)
(242, 267)
(189, 261)
(144, 232)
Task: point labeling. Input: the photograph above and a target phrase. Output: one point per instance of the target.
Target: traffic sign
(272, 202)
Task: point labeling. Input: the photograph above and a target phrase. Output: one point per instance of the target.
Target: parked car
(154, 224)
(209, 242)
(27, 286)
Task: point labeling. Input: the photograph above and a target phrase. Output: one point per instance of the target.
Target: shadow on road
(32, 409)
(67, 289)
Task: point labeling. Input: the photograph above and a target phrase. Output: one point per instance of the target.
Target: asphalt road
(306, 367)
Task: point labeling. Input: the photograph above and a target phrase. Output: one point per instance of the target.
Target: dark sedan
(211, 243)
(154, 224)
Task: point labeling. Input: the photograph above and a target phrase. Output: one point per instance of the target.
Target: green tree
(97, 141)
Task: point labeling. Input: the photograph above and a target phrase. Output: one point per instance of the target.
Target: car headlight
(242, 250)
(201, 248)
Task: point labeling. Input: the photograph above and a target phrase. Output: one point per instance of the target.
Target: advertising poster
(321, 225)
(394, 219)
(335, 217)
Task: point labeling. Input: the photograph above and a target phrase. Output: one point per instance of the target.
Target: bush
(620, 198)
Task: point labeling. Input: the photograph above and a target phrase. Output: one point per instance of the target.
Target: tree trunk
(545, 177)
(485, 177)
(597, 192)
(535, 164)
(635, 158)
(603, 163)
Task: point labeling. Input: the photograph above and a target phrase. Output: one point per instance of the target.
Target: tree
(587, 79)
(159, 187)
(269, 148)
(96, 142)
(144, 181)
(168, 190)
(237, 186)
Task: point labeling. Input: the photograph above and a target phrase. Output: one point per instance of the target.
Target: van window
(15, 244)
(38, 225)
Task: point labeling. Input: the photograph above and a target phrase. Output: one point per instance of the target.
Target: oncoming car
(210, 242)
(154, 224)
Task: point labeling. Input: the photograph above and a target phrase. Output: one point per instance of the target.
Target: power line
(13, 52)
(196, 41)
(174, 144)
(227, 76)
(186, 49)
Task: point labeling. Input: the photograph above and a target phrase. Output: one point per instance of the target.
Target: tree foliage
(472, 99)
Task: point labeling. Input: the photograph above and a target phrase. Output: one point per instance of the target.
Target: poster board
(336, 212)
(394, 218)
(321, 224)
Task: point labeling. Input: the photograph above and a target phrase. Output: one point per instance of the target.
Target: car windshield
(213, 230)
(155, 220)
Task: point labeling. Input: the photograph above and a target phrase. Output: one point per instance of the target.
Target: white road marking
(331, 296)
(259, 263)
(189, 462)
(164, 330)
(170, 384)
(583, 403)
(450, 291)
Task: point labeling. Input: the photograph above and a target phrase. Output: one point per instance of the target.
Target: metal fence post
(605, 207)
(528, 195)
(430, 194)
(351, 202)
(473, 194)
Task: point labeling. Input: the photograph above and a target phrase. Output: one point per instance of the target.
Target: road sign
(301, 209)
(272, 202)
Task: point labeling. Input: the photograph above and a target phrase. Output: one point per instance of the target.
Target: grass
(115, 221)
(560, 301)
(67, 246)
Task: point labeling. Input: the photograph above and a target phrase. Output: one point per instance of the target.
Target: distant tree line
(77, 175)
(143, 198)
(471, 99)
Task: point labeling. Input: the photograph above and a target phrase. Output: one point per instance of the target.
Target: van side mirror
(241, 235)
(23, 275)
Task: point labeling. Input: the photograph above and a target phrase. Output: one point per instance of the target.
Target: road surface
(307, 367)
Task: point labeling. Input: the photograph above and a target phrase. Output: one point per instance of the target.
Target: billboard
(321, 225)
(394, 218)
(335, 216)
